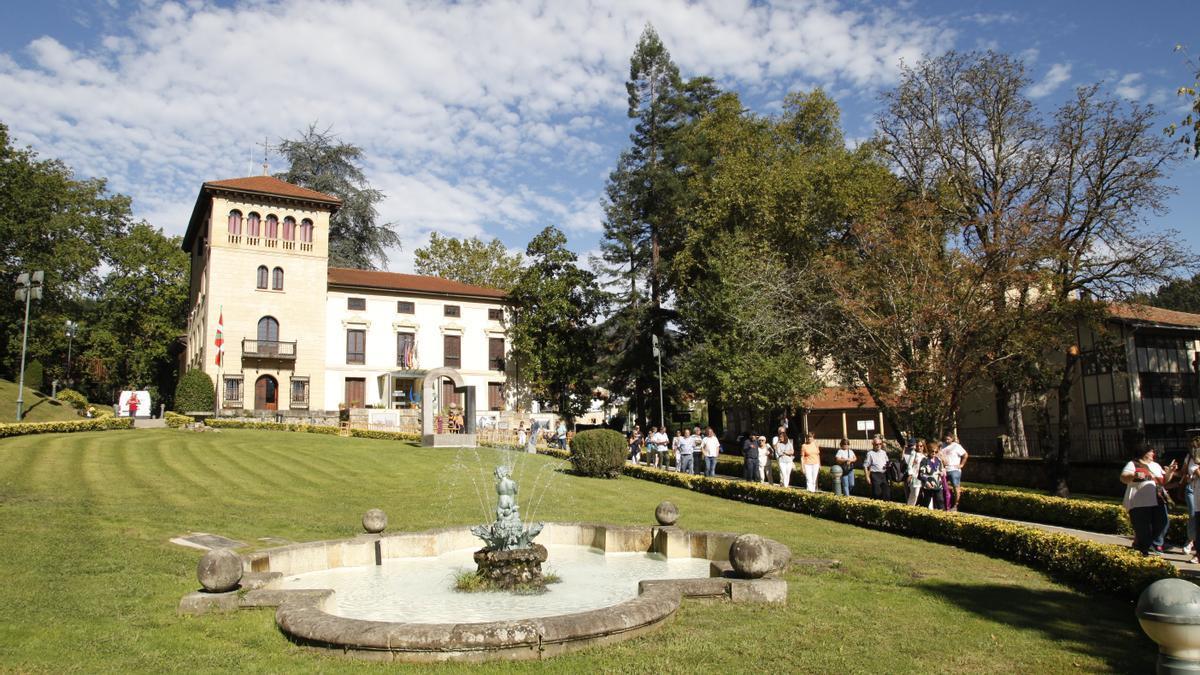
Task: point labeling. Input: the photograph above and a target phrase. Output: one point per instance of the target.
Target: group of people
(691, 449)
(554, 436)
(757, 453)
(1148, 501)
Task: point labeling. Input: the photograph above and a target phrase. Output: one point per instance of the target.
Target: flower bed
(98, 424)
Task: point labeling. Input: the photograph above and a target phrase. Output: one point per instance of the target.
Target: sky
(496, 119)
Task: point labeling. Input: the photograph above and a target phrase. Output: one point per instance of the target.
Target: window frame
(452, 311)
(277, 279)
(495, 314)
(351, 302)
(263, 281)
(456, 340)
(356, 358)
(406, 307)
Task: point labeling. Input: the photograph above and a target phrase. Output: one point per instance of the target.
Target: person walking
(846, 459)
(635, 444)
(685, 451)
(750, 457)
(1191, 476)
(785, 452)
(651, 447)
(875, 466)
(954, 458)
(764, 460)
(930, 474)
(711, 448)
(912, 459)
(810, 462)
(677, 445)
(697, 454)
(1144, 478)
(661, 443)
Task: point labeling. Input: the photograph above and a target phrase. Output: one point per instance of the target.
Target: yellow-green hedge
(174, 419)
(271, 426)
(1092, 516)
(1088, 565)
(97, 424)
(385, 435)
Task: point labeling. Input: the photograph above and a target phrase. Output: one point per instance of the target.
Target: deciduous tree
(469, 260)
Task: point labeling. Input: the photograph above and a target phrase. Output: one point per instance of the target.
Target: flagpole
(220, 359)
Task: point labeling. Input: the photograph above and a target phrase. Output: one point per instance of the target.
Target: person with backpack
(931, 476)
(875, 466)
(846, 459)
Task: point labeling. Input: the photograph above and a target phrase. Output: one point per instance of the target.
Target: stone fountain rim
(300, 613)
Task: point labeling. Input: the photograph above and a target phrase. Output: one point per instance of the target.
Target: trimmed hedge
(1078, 514)
(1088, 565)
(175, 420)
(98, 424)
(599, 452)
(385, 435)
(271, 426)
(73, 398)
(195, 392)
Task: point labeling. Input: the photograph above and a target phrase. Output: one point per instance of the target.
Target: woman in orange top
(810, 461)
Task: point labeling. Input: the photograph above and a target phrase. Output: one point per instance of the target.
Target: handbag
(1164, 496)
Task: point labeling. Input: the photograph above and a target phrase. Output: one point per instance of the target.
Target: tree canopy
(318, 160)
(470, 261)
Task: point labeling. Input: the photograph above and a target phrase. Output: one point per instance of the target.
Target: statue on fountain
(509, 558)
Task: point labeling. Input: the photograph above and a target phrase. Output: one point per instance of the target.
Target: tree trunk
(1062, 460)
(1014, 423)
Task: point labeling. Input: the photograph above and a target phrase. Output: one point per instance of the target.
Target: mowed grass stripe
(245, 471)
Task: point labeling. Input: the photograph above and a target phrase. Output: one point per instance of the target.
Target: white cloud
(1130, 86)
(1054, 78)
(463, 109)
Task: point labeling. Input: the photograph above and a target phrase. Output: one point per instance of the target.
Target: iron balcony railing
(269, 349)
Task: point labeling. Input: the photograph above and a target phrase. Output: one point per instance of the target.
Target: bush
(1088, 565)
(74, 399)
(385, 435)
(175, 420)
(271, 426)
(195, 392)
(26, 428)
(599, 453)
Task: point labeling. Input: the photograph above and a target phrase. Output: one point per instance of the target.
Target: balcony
(269, 349)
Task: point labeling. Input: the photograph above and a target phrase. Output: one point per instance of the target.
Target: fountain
(509, 559)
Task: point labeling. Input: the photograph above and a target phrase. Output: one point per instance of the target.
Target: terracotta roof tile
(394, 281)
(840, 398)
(269, 185)
(1148, 314)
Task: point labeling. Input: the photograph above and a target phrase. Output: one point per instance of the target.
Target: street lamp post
(71, 328)
(658, 354)
(29, 288)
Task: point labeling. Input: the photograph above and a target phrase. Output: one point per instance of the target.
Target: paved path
(1174, 556)
(149, 423)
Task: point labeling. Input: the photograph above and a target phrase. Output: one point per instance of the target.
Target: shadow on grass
(1104, 628)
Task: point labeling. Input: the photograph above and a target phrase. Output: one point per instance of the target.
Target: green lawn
(90, 582)
(38, 407)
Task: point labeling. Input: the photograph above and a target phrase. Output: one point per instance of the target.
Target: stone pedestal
(672, 542)
(510, 569)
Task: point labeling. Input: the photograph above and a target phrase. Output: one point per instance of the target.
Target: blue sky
(498, 118)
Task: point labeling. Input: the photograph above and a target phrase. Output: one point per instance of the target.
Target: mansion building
(305, 338)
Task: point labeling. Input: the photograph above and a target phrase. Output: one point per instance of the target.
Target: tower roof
(254, 186)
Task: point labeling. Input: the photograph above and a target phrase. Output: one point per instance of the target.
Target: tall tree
(555, 306)
(470, 261)
(1189, 127)
(1062, 200)
(318, 160)
(1181, 295)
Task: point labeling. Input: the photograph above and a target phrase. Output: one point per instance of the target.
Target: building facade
(302, 338)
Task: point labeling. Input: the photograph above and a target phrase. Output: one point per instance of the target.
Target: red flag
(220, 341)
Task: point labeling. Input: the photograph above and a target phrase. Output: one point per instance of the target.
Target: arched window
(277, 279)
(235, 222)
(252, 225)
(268, 329)
(306, 231)
(262, 276)
(289, 229)
(272, 227)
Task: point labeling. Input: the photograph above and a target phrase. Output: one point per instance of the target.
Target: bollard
(1169, 612)
(836, 472)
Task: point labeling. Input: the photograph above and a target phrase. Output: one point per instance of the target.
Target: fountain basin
(310, 617)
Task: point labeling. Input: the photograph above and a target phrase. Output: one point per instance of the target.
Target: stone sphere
(374, 521)
(751, 556)
(220, 570)
(666, 514)
(1172, 600)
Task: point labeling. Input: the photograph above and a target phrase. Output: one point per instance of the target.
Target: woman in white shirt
(764, 460)
(787, 457)
(912, 459)
(846, 459)
(1191, 477)
(1143, 477)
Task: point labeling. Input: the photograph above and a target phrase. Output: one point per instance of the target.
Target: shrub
(1088, 565)
(271, 426)
(385, 435)
(101, 424)
(74, 399)
(598, 452)
(175, 420)
(195, 392)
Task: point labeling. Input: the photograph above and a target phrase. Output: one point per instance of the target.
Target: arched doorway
(266, 393)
